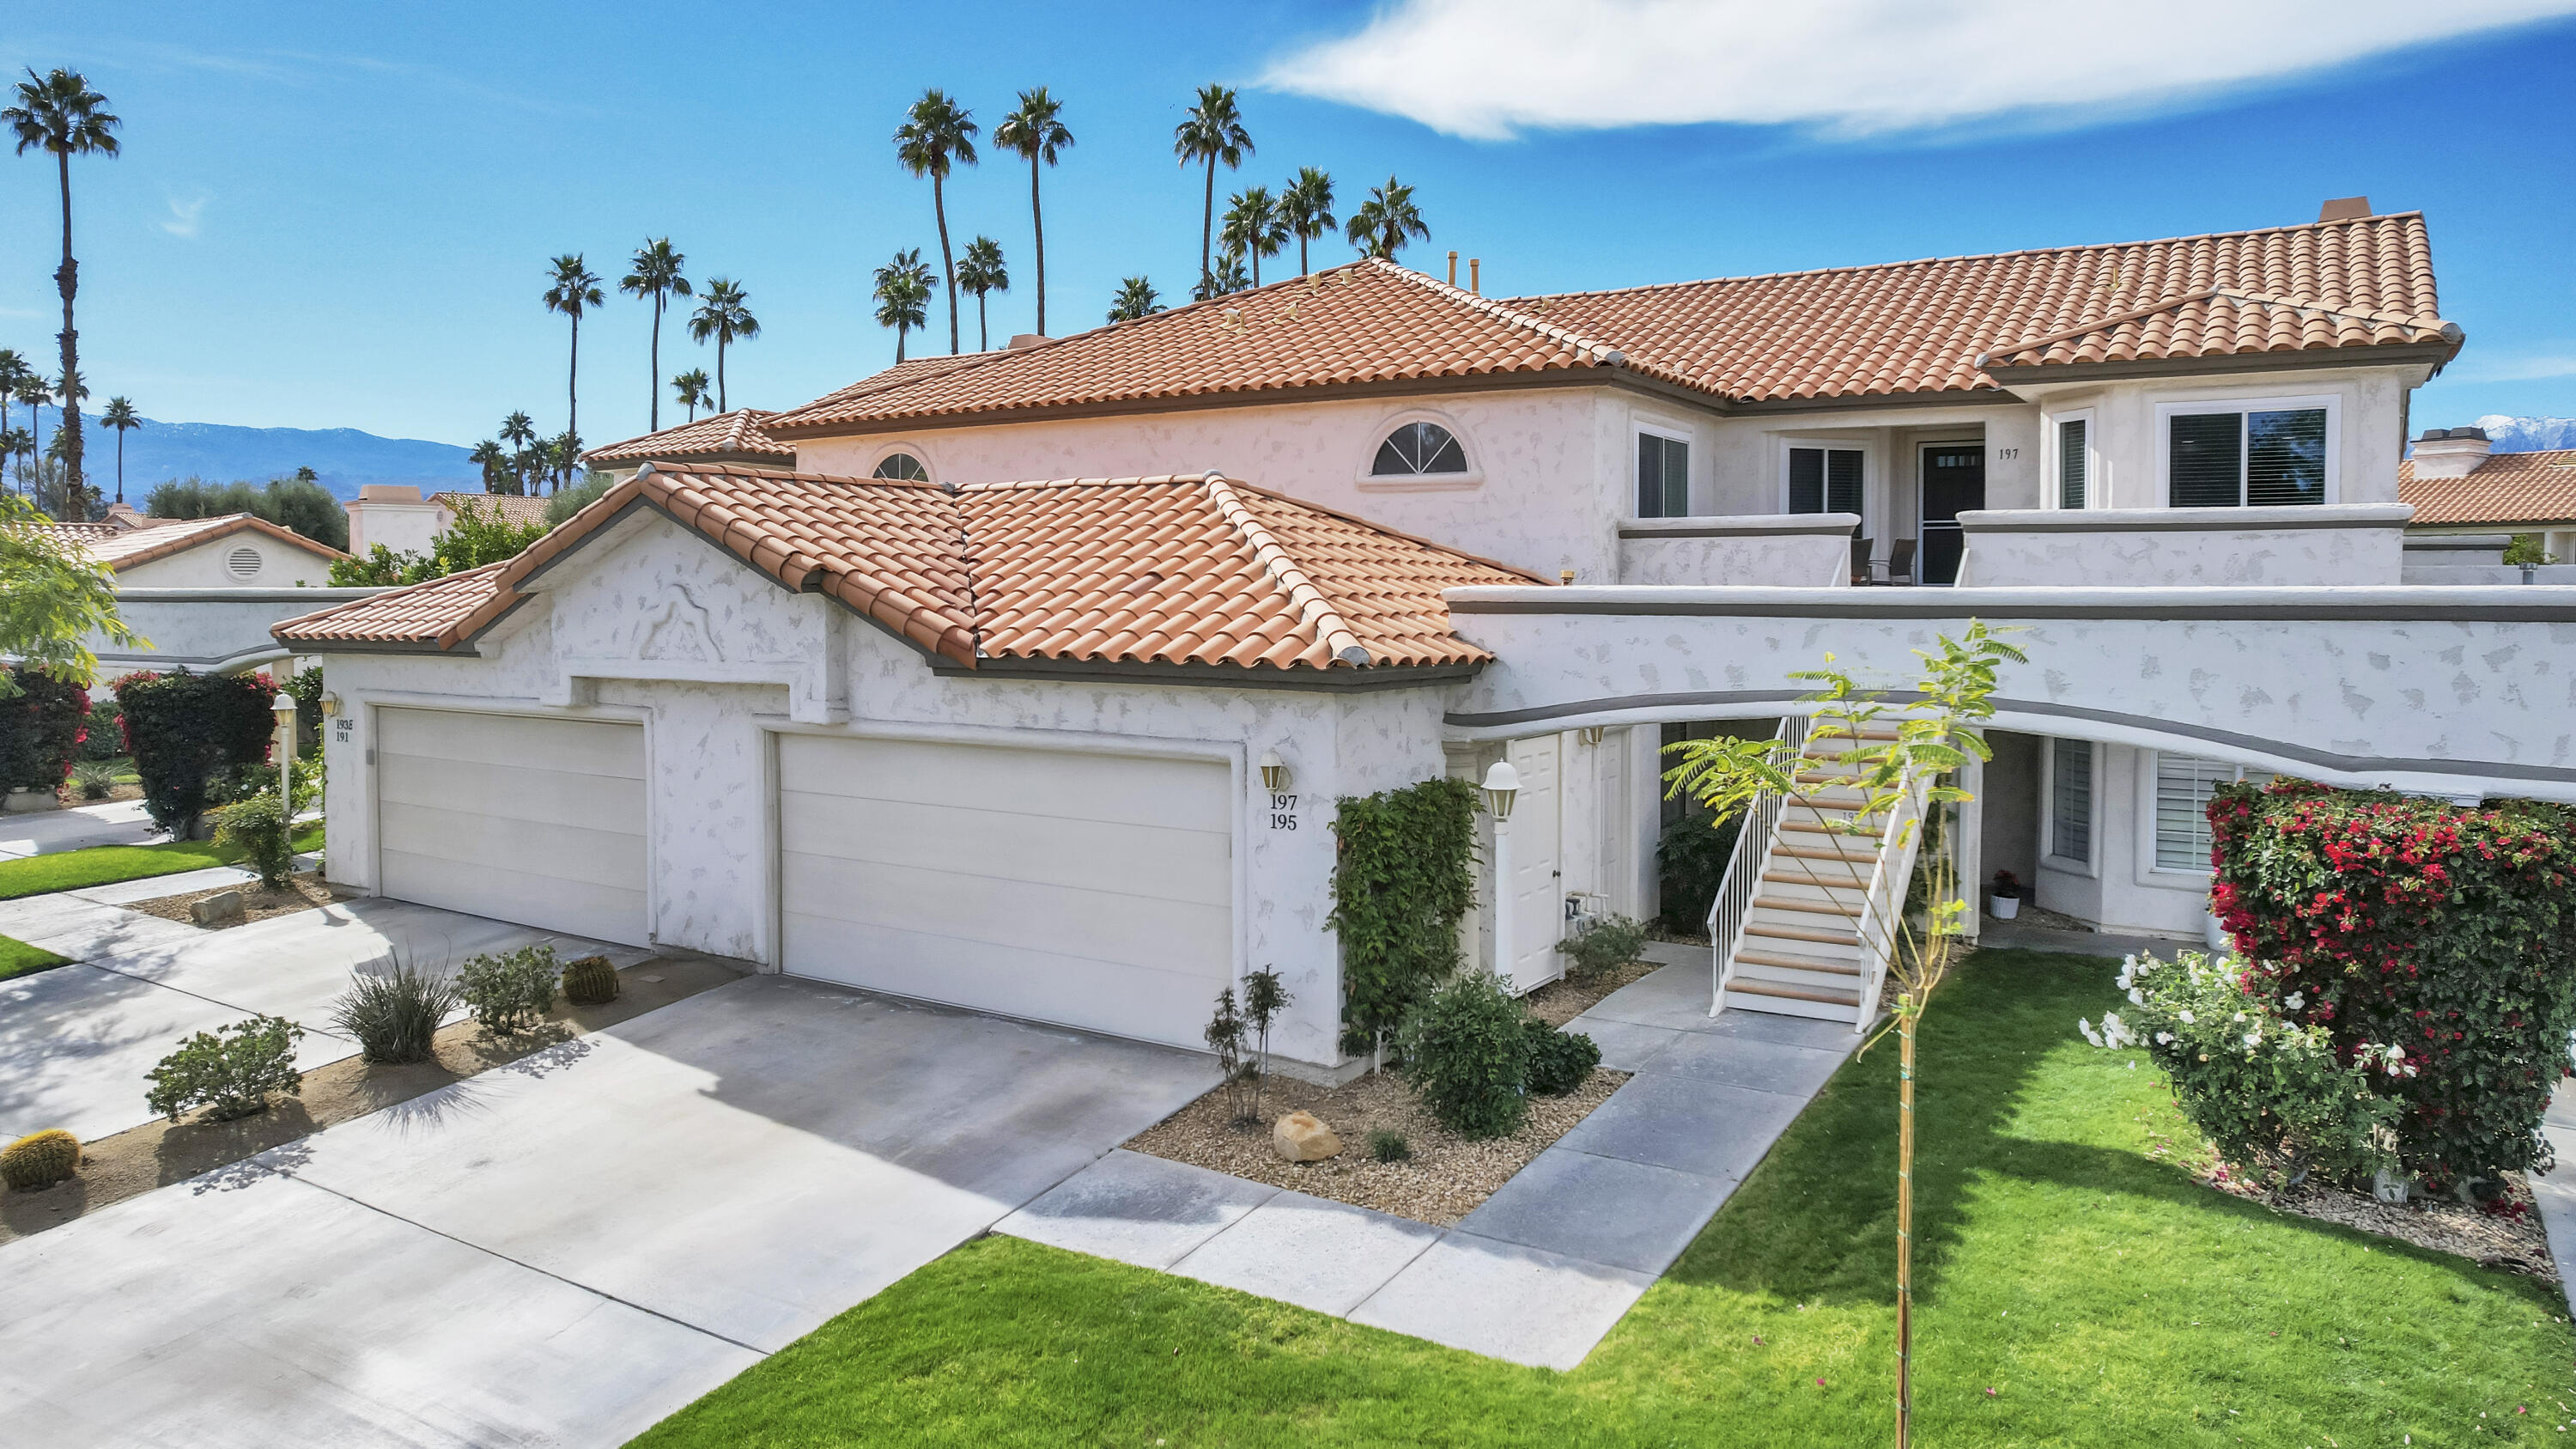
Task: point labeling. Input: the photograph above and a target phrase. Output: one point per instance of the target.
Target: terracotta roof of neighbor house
(2534, 488)
(736, 437)
(1163, 570)
(1941, 325)
(510, 508)
(123, 548)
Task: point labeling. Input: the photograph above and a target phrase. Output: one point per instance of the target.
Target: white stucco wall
(2121, 890)
(660, 626)
(202, 629)
(404, 527)
(2127, 427)
(1779, 550)
(2150, 547)
(206, 566)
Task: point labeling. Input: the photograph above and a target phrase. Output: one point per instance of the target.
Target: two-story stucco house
(1030, 685)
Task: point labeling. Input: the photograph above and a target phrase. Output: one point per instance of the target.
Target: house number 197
(1283, 811)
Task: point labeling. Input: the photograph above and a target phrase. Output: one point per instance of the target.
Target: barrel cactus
(40, 1159)
(590, 981)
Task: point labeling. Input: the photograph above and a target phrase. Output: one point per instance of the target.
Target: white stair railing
(1882, 908)
(1733, 906)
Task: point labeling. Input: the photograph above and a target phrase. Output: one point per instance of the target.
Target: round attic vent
(242, 563)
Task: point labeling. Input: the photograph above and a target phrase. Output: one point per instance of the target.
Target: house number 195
(1283, 811)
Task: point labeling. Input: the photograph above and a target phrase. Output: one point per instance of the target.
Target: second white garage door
(1092, 890)
(538, 821)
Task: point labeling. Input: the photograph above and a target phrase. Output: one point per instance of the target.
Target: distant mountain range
(2528, 435)
(343, 458)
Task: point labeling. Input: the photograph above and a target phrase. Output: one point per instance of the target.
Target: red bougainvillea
(2441, 930)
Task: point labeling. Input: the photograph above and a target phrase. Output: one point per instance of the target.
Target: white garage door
(539, 821)
(1093, 890)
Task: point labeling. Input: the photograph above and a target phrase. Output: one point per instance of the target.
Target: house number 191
(1283, 811)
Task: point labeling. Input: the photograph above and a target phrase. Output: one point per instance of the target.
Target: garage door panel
(1080, 786)
(1156, 934)
(524, 848)
(606, 913)
(509, 792)
(1099, 996)
(579, 747)
(1086, 854)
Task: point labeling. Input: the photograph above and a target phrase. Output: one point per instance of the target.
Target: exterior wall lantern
(1274, 772)
(283, 708)
(1502, 786)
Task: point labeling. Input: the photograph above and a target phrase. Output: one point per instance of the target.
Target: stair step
(1806, 852)
(1795, 963)
(1797, 933)
(1823, 995)
(1813, 908)
(1819, 882)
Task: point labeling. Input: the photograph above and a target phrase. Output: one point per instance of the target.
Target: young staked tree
(1897, 776)
(1307, 207)
(903, 296)
(1035, 132)
(655, 272)
(936, 137)
(981, 271)
(724, 313)
(693, 391)
(1254, 227)
(60, 114)
(119, 417)
(1386, 221)
(1135, 299)
(1211, 133)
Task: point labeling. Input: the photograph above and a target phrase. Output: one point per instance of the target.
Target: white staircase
(1805, 923)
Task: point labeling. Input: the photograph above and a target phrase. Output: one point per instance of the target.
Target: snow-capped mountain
(2528, 435)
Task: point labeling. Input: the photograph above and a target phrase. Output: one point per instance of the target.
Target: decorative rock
(221, 908)
(1303, 1137)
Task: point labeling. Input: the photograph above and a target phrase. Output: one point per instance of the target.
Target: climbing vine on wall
(1403, 876)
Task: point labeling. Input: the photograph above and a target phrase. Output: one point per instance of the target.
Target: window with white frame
(2075, 461)
(1663, 476)
(903, 467)
(2256, 456)
(1416, 449)
(2185, 784)
(1825, 480)
(2070, 801)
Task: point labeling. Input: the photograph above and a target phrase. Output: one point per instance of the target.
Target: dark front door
(1954, 482)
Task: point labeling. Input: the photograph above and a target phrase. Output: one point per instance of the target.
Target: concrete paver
(154, 887)
(1601, 1209)
(1310, 1251)
(1135, 1208)
(1689, 1124)
(1505, 1301)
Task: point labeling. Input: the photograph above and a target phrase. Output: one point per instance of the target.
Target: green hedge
(41, 729)
(187, 730)
(1403, 875)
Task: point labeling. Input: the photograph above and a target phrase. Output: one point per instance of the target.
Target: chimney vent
(1027, 339)
(2450, 452)
(1453, 267)
(2345, 208)
(1475, 275)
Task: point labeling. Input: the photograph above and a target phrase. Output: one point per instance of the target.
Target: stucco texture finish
(2233, 558)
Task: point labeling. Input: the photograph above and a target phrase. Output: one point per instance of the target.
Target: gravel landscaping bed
(303, 893)
(2511, 1239)
(1444, 1180)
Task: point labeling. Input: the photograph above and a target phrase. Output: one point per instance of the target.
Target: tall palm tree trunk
(1037, 220)
(68, 280)
(120, 465)
(983, 331)
(939, 204)
(1301, 254)
(1207, 222)
(572, 399)
(720, 388)
(654, 382)
(899, 334)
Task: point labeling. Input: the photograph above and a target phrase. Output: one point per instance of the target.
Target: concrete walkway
(43, 832)
(1546, 1267)
(562, 1251)
(2554, 1192)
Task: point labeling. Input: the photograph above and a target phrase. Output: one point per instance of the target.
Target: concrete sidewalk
(2554, 1192)
(44, 832)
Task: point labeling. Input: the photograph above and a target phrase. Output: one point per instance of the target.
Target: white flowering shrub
(2274, 1097)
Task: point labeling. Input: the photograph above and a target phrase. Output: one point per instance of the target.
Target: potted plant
(2006, 897)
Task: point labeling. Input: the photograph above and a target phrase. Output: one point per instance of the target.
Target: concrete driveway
(563, 1251)
(76, 1042)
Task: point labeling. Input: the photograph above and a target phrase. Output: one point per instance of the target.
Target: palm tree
(17, 443)
(120, 416)
(61, 114)
(566, 453)
(983, 271)
(574, 288)
(724, 313)
(1386, 221)
(495, 463)
(1229, 276)
(1135, 300)
(13, 371)
(1211, 132)
(937, 135)
(520, 432)
(35, 394)
(1035, 133)
(692, 390)
(1307, 207)
(903, 296)
(655, 273)
(1254, 227)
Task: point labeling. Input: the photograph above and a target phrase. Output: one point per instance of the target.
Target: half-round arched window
(1418, 448)
(902, 466)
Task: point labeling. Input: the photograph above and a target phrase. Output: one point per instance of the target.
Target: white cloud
(1491, 68)
(182, 220)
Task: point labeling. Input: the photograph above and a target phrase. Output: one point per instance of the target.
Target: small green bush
(40, 1159)
(394, 1012)
(1385, 1145)
(510, 991)
(257, 828)
(106, 737)
(1610, 943)
(94, 779)
(1467, 1054)
(1690, 863)
(1559, 1061)
(590, 981)
(229, 1071)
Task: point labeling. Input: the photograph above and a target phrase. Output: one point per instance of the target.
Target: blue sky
(332, 215)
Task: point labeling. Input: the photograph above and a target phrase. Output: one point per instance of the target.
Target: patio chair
(1860, 573)
(1900, 561)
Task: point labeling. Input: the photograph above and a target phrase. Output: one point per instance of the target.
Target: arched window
(902, 466)
(1418, 448)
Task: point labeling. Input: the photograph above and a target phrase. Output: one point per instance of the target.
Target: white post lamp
(283, 707)
(1502, 786)
(1274, 772)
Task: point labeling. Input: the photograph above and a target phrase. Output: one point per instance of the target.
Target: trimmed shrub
(1558, 1060)
(106, 737)
(40, 1159)
(1467, 1054)
(394, 1013)
(229, 1071)
(590, 981)
(1403, 876)
(257, 828)
(1612, 942)
(1690, 864)
(94, 779)
(510, 991)
(187, 730)
(1385, 1145)
(2436, 939)
(41, 729)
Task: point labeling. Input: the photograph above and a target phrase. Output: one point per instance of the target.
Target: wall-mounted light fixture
(1274, 772)
(330, 704)
(1592, 734)
(1502, 786)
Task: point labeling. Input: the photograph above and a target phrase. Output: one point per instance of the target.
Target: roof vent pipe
(2345, 208)
(1453, 266)
(1475, 283)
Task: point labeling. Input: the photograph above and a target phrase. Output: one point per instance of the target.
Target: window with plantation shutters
(2185, 785)
(1663, 477)
(2074, 466)
(2254, 459)
(2070, 800)
(1824, 480)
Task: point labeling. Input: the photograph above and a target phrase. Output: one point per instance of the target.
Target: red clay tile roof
(510, 508)
(1942, 325)
(124, 548)
(736, 436)
(2508, 488)
(1167, 570)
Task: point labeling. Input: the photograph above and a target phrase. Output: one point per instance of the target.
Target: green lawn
(17, 958)
(2102, 1296)
(68, 870)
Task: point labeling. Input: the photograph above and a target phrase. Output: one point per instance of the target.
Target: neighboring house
(2458, 487)
(202, 591)
(963, 768)
(397, 516)
(733, 437)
